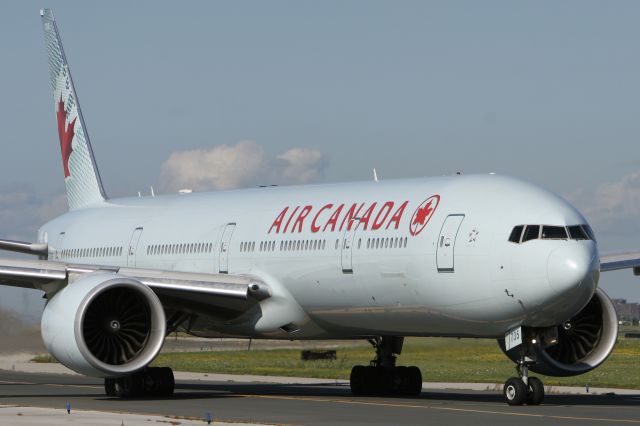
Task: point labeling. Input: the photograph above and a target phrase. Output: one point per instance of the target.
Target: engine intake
(104, 325)
(116, 325)
(583, 342)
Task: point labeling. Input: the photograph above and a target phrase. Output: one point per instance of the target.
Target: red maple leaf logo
(65, 133)
(422, 214)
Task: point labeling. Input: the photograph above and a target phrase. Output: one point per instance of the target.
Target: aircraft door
(133, 246)
(447, 242)
(225, 243)
(58, 248)
(348, 241)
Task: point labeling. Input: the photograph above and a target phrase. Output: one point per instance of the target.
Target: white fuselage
(385, 263)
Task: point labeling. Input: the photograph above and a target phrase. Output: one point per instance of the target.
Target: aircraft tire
(401, 380)
(415, 381)
(536, 391)
(159, 382)
(358, 379)
(110, 387)
(514, 391)
(152, 382)
(376, 381)
(382, 381)
(131, 386)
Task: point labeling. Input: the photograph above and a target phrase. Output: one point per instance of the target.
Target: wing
(615, 261)
(227, 295)
(23, 247)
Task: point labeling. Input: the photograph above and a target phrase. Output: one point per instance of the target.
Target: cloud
(610, 205)
(300, 165)
(240, 165)
(23, 211)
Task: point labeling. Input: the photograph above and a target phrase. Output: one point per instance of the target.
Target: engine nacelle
(583, 342)
(104, 325)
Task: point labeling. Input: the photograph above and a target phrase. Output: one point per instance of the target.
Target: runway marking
(75, 386)
(375, 403)
(465, 410)
(13, 382)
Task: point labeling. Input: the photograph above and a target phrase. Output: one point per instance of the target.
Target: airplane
(483, 256)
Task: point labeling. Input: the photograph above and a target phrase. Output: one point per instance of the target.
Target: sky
(211, 95)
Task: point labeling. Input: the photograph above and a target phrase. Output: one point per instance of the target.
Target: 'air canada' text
(339, 217)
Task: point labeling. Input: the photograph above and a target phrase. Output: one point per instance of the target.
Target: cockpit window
(577, 233)
(524, 233)
(554, 233)
(516, 233)
(589, 232)
(531, 233)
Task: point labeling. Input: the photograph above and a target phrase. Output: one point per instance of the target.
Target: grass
(43, 359)
(441, 360)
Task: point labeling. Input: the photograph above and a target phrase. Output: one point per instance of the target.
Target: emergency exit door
(133, 247)
(225, 243)
(447, 242)
(348, 240)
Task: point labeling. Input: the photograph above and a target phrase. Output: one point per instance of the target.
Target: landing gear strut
(152, 381)
(523, 389)
(382, 376)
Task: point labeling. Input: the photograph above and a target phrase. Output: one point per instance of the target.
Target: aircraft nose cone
(574, 269)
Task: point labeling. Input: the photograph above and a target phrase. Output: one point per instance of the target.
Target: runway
(318, 404)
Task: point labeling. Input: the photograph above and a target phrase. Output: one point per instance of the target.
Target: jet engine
(574, 347)
(104, 325)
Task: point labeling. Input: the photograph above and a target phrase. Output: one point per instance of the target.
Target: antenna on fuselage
(153, 194)
(375, 175)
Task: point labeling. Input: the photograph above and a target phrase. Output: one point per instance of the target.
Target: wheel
(515, 391)
(158, 381)
(357, 380)
(168, 380)
(415, 381)
(110, 387)
(378, 381)
(122, 387)
(536, 391)
(130, 386)
(400, 380)
(370, 382)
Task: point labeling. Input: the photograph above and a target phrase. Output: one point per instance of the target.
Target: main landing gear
(523, 389)
(382, 376)
(152, 381)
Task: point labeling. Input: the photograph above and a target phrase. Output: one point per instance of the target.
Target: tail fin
(81, 176)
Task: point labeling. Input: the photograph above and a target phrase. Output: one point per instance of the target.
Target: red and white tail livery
(81, 176)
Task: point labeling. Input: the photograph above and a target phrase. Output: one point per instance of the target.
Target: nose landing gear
(382, 376)
(523, 389)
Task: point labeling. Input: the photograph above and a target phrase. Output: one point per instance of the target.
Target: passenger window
(531, 233)
(577, 233)
(554, 233)
(516, 233)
